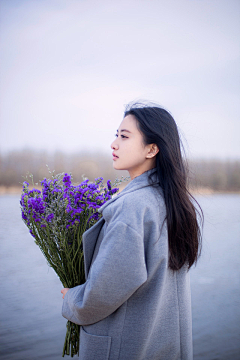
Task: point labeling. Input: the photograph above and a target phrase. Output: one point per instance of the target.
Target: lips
(114, 156)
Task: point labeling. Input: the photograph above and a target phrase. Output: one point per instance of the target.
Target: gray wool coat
(132, 306)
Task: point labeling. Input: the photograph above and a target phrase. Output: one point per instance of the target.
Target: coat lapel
(137, 183)
(90, 236)
(89, 241)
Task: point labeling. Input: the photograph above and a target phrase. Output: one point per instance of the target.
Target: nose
(114, 145)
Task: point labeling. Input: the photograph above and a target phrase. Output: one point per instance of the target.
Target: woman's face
(129, 151)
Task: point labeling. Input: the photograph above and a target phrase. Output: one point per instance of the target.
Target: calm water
(30, 313)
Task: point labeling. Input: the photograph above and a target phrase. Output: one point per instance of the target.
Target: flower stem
(71, 343)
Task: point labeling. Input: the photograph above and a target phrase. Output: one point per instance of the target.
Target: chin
(117, 167)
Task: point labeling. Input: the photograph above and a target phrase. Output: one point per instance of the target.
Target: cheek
(135, 154)
(138, 149)
(134, 145)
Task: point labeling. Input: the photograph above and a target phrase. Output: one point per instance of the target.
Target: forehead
(128, 123)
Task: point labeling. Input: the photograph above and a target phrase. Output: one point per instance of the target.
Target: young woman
(135, 303)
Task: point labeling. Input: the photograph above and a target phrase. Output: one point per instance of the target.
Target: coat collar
(90, 236)
(137, 183)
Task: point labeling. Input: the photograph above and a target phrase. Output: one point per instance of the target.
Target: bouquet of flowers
(57, 217)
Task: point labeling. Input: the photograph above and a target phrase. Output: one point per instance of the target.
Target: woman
(135, 303)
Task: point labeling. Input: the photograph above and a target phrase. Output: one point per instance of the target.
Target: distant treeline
(16, 164)
(213, 174)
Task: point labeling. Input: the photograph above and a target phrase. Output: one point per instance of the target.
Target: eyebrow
(125, 130)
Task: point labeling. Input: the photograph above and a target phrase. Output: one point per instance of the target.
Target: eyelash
(122, 136)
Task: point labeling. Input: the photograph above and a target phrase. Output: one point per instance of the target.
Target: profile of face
(129, 151)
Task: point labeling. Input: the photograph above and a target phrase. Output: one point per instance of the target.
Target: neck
(137, 172)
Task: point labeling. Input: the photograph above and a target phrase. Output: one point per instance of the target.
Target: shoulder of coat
(143, 199)
(137, 202)
(144, 193)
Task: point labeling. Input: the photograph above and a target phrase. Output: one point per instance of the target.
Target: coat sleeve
(117, 272)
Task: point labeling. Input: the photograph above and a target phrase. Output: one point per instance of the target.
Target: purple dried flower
(84, 182)
(92, 186)
(67, 180)
(49, 217)
(69, 208)
(113, 191)
(109, 185)
(31, 232)
(99, 197)
(24, 216)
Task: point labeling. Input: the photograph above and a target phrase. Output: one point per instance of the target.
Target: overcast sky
(68, 68)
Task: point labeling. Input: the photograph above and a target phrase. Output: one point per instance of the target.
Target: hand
(64, 291)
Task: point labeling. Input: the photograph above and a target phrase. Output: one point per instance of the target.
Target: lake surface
(31, 325)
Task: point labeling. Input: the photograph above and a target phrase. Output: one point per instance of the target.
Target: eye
(122, 136)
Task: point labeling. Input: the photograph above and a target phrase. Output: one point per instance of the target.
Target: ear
(152, 151)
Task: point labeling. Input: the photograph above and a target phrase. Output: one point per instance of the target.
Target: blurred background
(68, 69)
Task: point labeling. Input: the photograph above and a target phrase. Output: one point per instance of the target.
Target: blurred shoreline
(16, 190)
(205, 176)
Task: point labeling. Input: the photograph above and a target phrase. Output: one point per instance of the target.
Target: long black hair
(183, 213)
